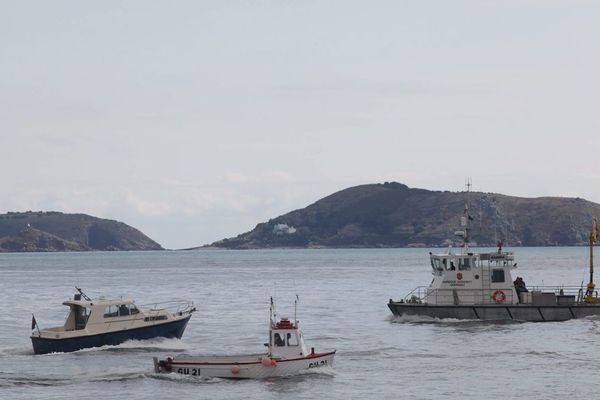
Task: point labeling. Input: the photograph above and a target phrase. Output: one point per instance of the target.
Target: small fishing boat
(470, 285)
(287, 355)
(110, 321)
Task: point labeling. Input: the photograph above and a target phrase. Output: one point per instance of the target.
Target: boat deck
(233, 359)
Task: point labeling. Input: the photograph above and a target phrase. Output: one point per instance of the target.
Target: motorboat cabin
(287, 340)
(108, 321)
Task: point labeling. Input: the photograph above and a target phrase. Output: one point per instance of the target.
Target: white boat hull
(244, 368)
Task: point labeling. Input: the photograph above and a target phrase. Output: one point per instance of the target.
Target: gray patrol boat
(469, 285)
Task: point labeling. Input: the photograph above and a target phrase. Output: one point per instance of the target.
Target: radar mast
(466, 218)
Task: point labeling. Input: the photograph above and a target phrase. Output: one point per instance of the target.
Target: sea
(342, 305)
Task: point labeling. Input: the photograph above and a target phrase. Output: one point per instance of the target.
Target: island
(39, 231)
(391, 214)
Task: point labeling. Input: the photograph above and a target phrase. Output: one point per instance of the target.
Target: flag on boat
(33, 322)
(594, 236)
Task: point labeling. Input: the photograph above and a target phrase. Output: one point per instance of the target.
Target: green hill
(55, 231)
(394, 215)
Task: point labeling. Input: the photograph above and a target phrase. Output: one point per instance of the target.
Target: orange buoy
(266, 361)
(499, 296)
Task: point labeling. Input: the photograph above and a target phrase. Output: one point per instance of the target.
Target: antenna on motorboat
(589, 294)
(82, 294)
(295, 309)
(271, 323)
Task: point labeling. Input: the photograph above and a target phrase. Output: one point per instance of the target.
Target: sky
(195, 120)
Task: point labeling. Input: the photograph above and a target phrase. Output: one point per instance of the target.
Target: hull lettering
(317, 364)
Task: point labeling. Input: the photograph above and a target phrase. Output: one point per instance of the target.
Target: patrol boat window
(497, 275)
(464, 264)
(435, 264)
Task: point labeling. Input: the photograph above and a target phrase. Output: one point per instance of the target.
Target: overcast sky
(196, 120)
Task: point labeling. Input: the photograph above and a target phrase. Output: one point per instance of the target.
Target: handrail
(480, 295)
(176, 305)
(557, 289)
(422, 292)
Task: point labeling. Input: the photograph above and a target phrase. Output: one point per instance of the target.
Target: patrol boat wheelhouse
(469, 285)
(287, 355)
(109, 321)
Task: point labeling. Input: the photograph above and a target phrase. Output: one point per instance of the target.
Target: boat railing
(173, 306)
(570, 290)
(456, 296)
(425, 294)
(417, 295)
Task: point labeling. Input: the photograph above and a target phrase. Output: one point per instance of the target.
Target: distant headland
(37, 231)
(393, 215)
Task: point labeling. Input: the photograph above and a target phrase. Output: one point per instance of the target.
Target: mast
(464, 220)
(589, 295)
(295, 310)
(271, 316)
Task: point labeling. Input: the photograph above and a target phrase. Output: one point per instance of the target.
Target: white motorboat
(287, 355)
(110, 321)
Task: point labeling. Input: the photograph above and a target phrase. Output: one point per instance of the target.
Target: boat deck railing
(173, 306)
(568, 290)
(425, 294)
(579, 291)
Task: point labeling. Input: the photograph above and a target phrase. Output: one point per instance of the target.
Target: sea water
(342, 306)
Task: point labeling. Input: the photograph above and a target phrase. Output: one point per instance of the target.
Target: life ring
(499, 296)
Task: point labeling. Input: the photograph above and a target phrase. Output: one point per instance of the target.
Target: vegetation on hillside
(55, 231)
(394, 215)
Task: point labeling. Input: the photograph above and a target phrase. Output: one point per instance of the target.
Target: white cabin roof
(101, 301)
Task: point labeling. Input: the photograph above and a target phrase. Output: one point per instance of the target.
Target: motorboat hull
(244, 369)
(496, 312)
(172, 329)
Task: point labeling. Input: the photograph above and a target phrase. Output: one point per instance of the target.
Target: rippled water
(343, 296)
